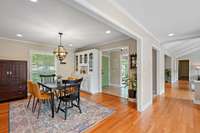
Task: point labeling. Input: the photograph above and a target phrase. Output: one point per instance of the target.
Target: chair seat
(44, 96)
(69, 97)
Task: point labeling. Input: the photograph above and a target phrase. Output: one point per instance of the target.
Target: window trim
(44, 52)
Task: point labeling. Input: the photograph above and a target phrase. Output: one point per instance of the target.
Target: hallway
(173, 112)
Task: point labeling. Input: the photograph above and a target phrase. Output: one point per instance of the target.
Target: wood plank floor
(173, 112)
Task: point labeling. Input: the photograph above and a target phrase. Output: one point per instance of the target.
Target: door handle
(10, 73)
(7, 73)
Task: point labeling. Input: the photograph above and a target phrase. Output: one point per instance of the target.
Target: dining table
(51, 88)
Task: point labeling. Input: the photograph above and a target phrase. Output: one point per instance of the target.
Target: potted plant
(167, 75)
(131, 84)
(132, 87)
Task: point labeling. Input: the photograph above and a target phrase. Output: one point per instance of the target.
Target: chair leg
(48, 103)
(58, 107)
(79, 105)
(79, 109)
(33, 104)
(29, 101)
(39, 109)
(66, 111)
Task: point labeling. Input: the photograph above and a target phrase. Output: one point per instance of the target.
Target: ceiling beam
(195, 47)
(180, 39)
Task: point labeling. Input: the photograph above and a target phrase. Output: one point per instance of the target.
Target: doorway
(105, 71)
(114, 74)
(168, 66)
(154, 71)
(183, 70)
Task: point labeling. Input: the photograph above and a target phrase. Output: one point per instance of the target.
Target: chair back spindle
(48, 78)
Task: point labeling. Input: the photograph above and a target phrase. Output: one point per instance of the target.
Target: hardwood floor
(4, 117)
(173, 112)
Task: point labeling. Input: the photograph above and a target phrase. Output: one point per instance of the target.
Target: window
(42, 64)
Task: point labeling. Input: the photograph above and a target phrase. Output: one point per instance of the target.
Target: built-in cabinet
(13, 80)
(87, 66)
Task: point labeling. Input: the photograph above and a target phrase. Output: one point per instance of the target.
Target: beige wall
(115, 68)
(18, 50)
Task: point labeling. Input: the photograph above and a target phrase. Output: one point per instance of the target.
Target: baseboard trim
(196, 101)
(115, 85)
(162, 92)
(131, 99)
(145, 106)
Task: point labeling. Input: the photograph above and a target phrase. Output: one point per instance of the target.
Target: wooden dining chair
(69, 98)
(49, 78)
(40, 96)
(31, 95)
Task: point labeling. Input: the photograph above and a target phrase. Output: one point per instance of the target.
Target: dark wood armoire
(13, 80)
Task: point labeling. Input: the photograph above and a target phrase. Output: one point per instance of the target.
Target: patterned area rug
(22, 120)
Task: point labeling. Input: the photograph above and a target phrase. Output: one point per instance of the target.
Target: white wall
(167, 62)
(109, 12)
(18, 50)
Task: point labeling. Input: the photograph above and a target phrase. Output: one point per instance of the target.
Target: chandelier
(60, 51)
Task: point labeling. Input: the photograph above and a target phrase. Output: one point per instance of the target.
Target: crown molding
(37, 44)
(28, 42)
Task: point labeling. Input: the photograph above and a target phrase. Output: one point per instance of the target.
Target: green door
(105, 71)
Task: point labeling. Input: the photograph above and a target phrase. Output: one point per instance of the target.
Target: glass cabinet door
(81, 59)
(91, 62)
(85, 58)
(76, 62)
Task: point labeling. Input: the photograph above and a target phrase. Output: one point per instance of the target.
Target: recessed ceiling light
(171, 34)
(70, 44)
(108, 32)
(19, 35)
(34, 1)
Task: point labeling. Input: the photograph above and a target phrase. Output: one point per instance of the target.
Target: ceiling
(182, 47)
(162, 17)
(40, 22)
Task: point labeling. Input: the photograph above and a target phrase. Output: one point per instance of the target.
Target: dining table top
(55, 85)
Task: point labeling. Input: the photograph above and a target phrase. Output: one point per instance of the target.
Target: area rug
(22, 120)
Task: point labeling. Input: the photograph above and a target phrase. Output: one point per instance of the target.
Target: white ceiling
(40, 22)
(162, 17)
(182, 47)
